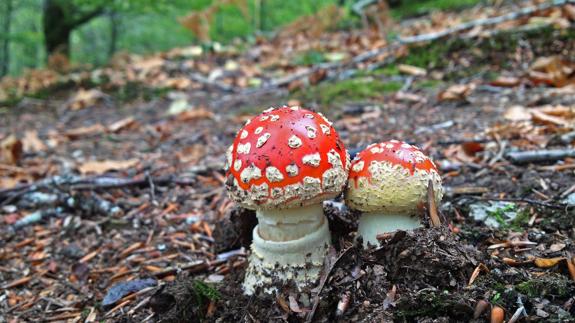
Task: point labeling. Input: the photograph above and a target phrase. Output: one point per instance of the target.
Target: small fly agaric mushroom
(284, 163)
(388, 182)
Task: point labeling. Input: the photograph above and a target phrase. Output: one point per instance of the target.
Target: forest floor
(113, 206)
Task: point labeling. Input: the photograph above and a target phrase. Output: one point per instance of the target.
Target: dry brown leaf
(191, 154)
(32, 142)
(121, 124)
(412, 70)
(11, 149)
(506, 81)
(517, 113)
(76, 133)
(552, 70)
(409, 97)
(543, 118)
(85, 98)
(557, 247)
(547, 262)
(100, 167)
(571, 267)
(456, 92)
(195, 114)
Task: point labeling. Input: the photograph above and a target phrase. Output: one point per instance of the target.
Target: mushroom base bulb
(372, 224)
(299, 260)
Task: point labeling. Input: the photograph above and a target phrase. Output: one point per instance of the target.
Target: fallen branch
(539, 156)
(68, 183)
(556, 206)
(484, 22)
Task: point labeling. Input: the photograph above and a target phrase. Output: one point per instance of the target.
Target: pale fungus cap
(391, 177)
(286, 157)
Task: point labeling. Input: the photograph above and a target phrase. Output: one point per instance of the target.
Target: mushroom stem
(289, 224)
(374, 223)
(299, 260)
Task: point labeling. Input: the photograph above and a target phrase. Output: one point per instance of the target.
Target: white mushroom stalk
(283, 164)
(388, 184)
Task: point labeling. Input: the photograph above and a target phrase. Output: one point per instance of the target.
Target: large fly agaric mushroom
(388, 182)
(284, 163)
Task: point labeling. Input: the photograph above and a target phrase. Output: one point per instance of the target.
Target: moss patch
(349, 90)
(410, 8)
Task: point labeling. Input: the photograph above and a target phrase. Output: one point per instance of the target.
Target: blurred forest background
(98, 29)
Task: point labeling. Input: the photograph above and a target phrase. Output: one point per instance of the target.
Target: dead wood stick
(200, 265)
(556, 206)
(538, 156)
(324, 278)
(87, 183)
(206, 81)
(485, 22)
(432, 206)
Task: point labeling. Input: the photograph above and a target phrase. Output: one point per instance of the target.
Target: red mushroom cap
(391, 176)
(286, 157)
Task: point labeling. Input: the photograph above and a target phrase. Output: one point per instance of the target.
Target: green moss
(349, 90)
(391, 70)
(411, 8)
(427, 84)
(311, 57)
(552, 285)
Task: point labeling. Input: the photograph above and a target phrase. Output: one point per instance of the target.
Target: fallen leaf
(122, 124)
(179, 106)
(557, 247)
(32, 142)
(10, 150)
(543, 118)
(456, 92)
(517, 113)
(571, 267)
(85, 98)
(293, 305)
(100, 167)
(195, 114)
(411, 70)
(92, 130)
(552, 70)
(547, 262)
(283, 304)
(506, 81)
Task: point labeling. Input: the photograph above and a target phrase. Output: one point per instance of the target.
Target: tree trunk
(114, 31)
(60, 19)
(57, 30)
(4, 67)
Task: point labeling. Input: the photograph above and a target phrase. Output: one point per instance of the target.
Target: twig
(206, 81)
(432, 207)
(538, 156)
(200, 265)
(66, 183)
(322, 284)
(484, 22)
(558, 206)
